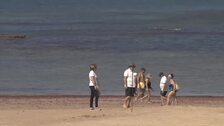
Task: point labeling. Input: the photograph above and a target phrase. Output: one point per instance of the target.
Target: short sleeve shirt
(163, 82)
(131, 76)
(91, 74)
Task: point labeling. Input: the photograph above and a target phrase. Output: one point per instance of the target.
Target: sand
(74, 111)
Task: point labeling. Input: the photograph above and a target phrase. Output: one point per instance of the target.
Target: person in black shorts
(129, 85)
(163, 87)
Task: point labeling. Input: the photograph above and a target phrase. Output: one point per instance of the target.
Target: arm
(146, 83)
(173, 84)
(138, 78)
(136, 82)
(125, 81)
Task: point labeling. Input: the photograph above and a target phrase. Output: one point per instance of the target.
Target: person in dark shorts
(163, 88)
(129, 85)
(130, 91)
(163, 93)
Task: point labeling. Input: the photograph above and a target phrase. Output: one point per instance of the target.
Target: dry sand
(74, 111)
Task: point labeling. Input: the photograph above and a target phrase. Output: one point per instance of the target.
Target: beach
(59, 110)
(46, 47)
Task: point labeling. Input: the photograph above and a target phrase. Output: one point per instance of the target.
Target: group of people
(135, 84)
(168, 89)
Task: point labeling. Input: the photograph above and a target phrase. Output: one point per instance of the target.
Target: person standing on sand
(141, 83)
(129, 85)
(94, 87)
(172, 90)
(163, 88)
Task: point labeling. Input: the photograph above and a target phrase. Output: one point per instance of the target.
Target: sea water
(184, 37)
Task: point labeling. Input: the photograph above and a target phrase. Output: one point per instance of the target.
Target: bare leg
(175, 99)
(163, 100)
(146, 96)
(149, 96)
(131, 103)
(126, 102)
(170, 98)
(140, 95)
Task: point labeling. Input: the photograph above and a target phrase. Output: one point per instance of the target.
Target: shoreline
(80, 101)
(58, 95)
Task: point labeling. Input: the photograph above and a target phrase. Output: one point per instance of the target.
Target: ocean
(184, 37)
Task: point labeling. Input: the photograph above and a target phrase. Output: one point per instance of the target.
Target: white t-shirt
(91, 74)
(131, 76)
(163, 83)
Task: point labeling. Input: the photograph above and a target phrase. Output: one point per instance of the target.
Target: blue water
(63, 37)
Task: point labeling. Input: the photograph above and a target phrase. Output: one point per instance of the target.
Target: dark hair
(142, 69)
(92, 66)
(132, 65)
(172, 76)
(161, 74)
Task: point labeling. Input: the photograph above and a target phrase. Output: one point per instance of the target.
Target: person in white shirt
(163, 87)
(94, 87)
(130, 83)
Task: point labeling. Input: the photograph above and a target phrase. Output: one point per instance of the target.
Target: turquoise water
(64, 37)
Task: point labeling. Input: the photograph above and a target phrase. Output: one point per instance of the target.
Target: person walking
(171, 98)
(141, 84)
(163, 88)
(129, 85)
(94, 87)
(148, 88)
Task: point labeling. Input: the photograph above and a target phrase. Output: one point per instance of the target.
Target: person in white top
(94, 87)
(130, 83)
(163, 87)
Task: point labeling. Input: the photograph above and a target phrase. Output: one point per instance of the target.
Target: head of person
(143, 70)
(132, 66)
(149, 76)
(93, 67)
(161, 74)
(170, 76)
